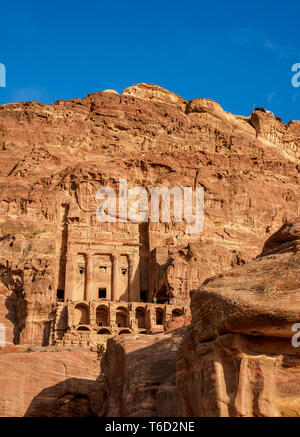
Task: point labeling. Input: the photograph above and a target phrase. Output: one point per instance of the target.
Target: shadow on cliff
(74, 397)
(151, 370)
(142, 382)
(15, 303)
(63, 248)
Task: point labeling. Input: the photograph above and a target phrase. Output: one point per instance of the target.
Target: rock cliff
(49, 383)
(238, 358)
(55, 157)
(140, 375)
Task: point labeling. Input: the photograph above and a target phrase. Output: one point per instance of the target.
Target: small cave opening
(60, 294)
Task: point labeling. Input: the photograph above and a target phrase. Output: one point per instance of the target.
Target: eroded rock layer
(55, 157)
(49, 383)
(240, 357)
(140, 375)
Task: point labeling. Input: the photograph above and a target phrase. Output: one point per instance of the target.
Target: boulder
(238, 358)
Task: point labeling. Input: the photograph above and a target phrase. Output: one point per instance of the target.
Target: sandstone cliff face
(55, 157)
(238, 359)
(52, 383)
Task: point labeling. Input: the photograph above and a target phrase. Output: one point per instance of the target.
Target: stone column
(70, 316)
(132, 322)
(150, 317)
(93, 313)
(115, 277)
(112, 316)
(133, 278)
(89, 276)
(168, 312)
(70, 280)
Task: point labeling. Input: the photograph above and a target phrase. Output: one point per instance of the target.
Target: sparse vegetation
(29, 235)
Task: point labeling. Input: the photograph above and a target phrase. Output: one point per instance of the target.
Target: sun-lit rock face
(260, 297)
(69, 280)
(271, 131)
(54, 158)
(238, 359)
(110, 91)
(49, 382)
(205, 106)
(155, 94)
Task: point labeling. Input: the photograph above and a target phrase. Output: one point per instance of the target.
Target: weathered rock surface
(177, 322)
(140, 375)
(50, 383)
(53, 158)
(238, 359)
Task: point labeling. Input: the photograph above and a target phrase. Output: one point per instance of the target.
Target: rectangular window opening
(102, 293)
(143, 295)
(60, 294)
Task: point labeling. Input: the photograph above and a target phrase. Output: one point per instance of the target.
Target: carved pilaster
(133, 278)
(70, 280)
(115, 277)
(89, 277)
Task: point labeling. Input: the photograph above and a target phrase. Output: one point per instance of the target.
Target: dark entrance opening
(102, 293)
(159, 316)
(60, 294)
(162, 295)
(176, 313)
(140, 315)
(143, 295)
(104, 331)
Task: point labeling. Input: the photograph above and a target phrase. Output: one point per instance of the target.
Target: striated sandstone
(177, 322)
(238, 359)
(67, 280)
(140, 375)
(49, 383)
(55, 157)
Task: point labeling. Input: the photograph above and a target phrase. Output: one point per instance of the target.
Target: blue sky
(235, 52)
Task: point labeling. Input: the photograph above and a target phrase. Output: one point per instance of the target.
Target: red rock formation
(49, 383)
(238, 359)
(177, 322)
(55, 157)
(140, 375)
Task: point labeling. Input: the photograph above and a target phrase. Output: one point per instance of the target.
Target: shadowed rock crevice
(73, 397)
(15, 302)
(140, 375)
